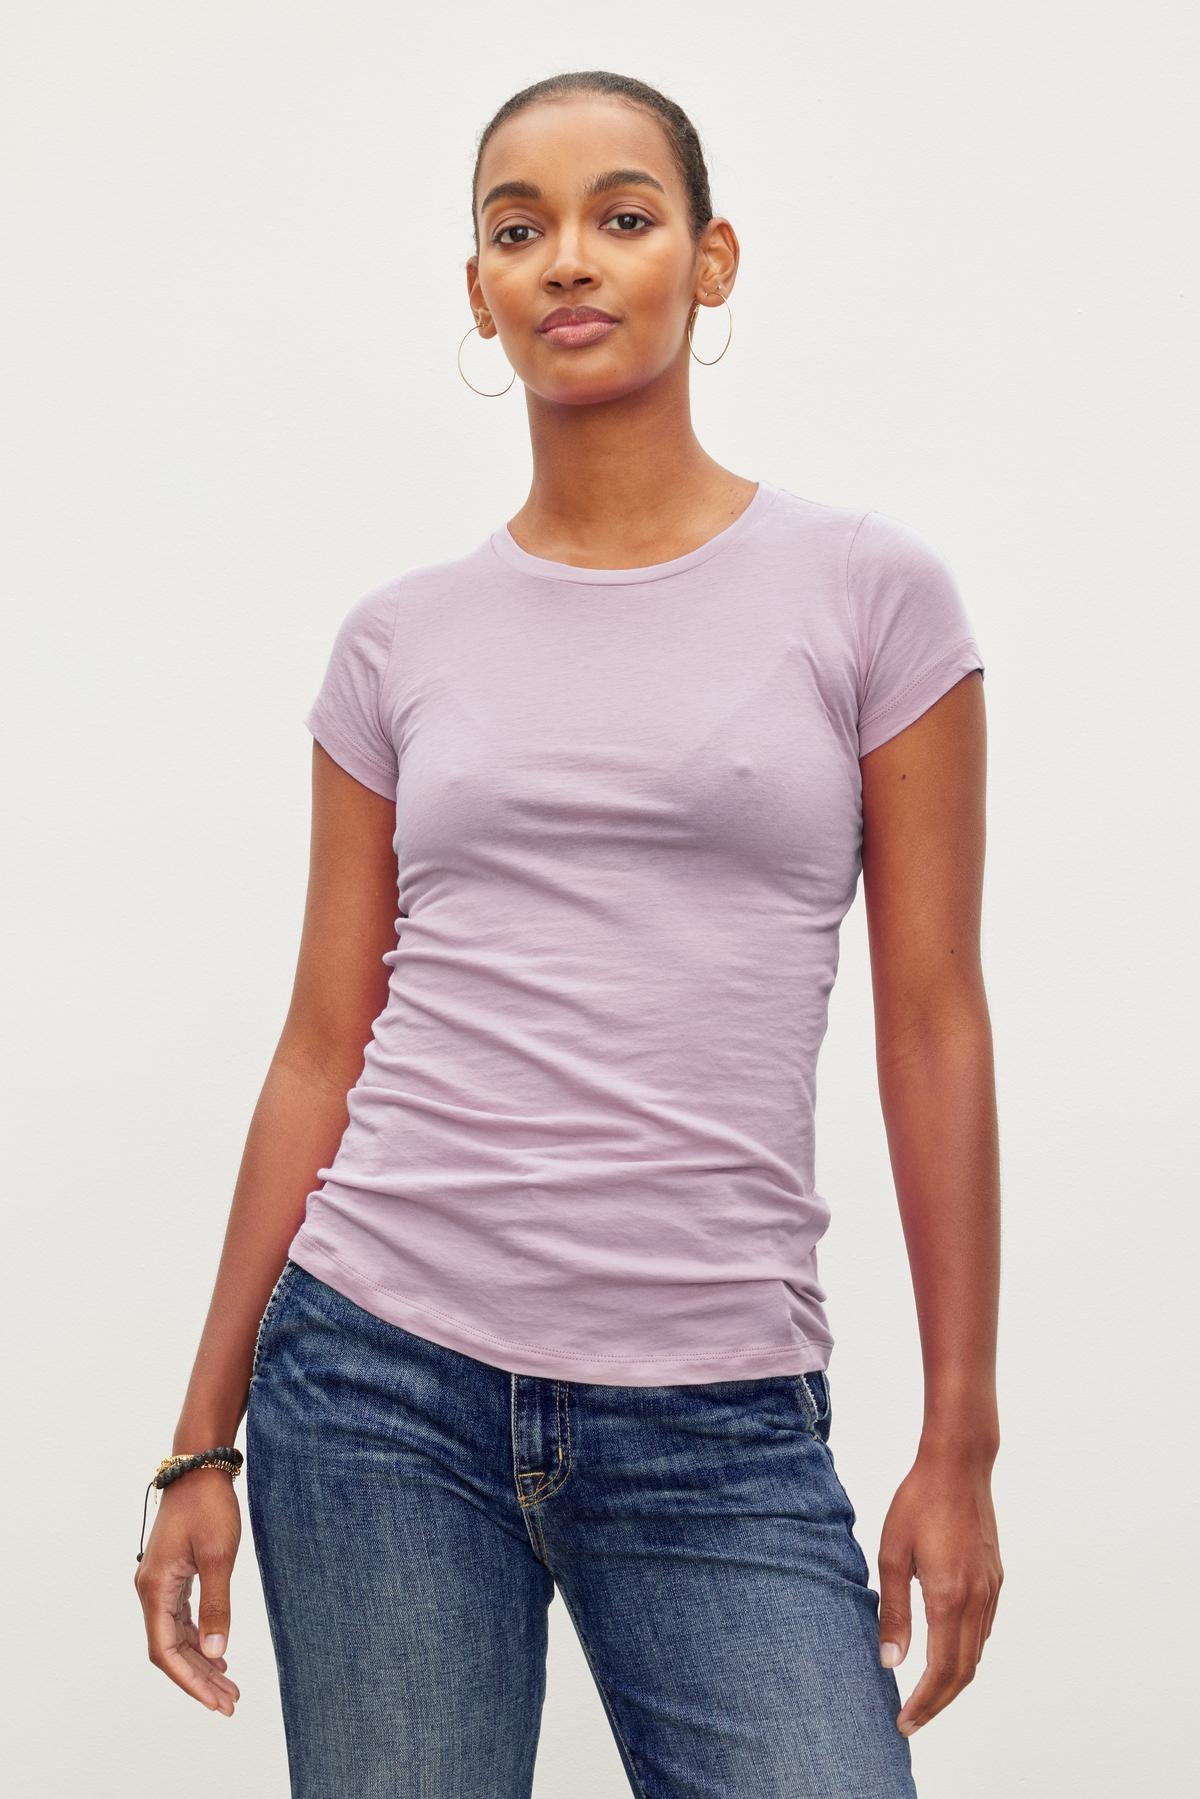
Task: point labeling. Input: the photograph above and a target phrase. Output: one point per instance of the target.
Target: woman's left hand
(941, 1527)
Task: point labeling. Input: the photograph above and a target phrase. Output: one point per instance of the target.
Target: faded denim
(415, 1511)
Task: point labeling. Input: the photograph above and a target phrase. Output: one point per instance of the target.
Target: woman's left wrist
(973, 1439)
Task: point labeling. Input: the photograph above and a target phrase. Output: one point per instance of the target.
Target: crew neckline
(509, 550)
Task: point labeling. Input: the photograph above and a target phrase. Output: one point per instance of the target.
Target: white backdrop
(234, 244)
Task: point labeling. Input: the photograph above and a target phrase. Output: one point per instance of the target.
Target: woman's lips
(571, 337)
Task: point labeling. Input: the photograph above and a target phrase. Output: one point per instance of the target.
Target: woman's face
(551, 243)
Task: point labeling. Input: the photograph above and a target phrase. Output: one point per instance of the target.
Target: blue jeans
(414, 1512)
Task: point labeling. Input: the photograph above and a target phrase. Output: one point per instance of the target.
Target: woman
(551, 1321)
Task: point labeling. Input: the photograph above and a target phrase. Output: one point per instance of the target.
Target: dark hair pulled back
(682, 136)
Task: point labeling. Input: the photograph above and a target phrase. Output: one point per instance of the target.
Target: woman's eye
(636, 218)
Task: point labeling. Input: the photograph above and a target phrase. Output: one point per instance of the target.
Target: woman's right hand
(197, 1530)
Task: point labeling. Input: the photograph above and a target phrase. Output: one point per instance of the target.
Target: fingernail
(889, 1654)
(214, 1645)
(907, 1727)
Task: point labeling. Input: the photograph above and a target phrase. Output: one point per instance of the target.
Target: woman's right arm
(339, 990)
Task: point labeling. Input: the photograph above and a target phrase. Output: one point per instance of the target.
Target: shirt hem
(907, 706)
(807, 1355)
(348, 755)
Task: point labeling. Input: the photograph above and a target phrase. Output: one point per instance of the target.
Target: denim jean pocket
(812, 1390)
(289, 1268)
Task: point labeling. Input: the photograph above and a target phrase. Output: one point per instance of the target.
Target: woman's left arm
(923, 858)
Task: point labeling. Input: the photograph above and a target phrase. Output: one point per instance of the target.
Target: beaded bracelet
(172, 1466)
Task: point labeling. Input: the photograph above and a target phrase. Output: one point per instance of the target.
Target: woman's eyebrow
(595, 184)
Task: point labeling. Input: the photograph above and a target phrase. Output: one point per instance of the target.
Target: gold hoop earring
(471, 384)
(708, 361)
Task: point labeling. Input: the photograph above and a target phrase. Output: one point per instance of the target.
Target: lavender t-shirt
(628, 827)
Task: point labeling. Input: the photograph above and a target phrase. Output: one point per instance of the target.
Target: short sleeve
(348, 715)
(914, 638)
